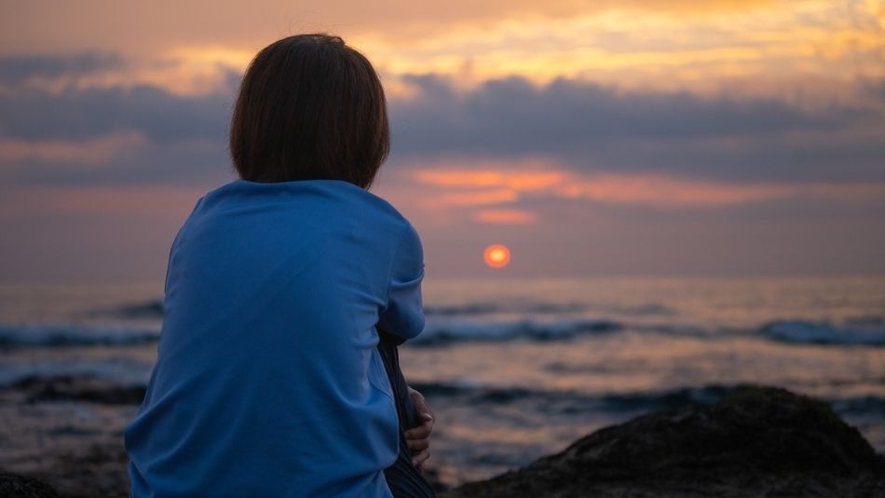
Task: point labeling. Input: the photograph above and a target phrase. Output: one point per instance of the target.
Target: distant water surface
(519, 368)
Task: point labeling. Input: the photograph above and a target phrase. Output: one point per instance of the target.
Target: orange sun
(496, 256)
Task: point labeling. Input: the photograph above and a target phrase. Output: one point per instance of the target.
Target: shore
(758, 441)
(513, 370)
(67, 432)
(54, 431)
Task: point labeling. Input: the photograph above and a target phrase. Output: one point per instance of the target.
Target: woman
(268, 379)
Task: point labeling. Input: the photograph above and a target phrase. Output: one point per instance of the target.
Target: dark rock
(70, 388)
(91, 471)
(18, 486)
(94, 471)
(756, 442)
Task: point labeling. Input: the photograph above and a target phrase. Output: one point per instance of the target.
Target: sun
(496, 256)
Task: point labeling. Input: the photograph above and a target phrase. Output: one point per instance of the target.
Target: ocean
(513, 368)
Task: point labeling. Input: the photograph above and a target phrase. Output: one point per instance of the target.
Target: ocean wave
(144, 310)
(117, 369)
(68, 335)
(111, 385)
(154, 309)
(866, 333)
(544, 308)
(84, 388)
(490, 308)
(444, 333)
(860, 405)
(65, 335)
(571, 402)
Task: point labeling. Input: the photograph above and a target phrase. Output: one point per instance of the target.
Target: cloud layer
(592, 137)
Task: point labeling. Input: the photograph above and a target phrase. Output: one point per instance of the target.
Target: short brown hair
(310, 107)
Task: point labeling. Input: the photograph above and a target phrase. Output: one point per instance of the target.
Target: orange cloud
(671, 45)
(505, 216)
(520, 181)
(481, 187)
(149, 27)
(464, 188)
(476, 198)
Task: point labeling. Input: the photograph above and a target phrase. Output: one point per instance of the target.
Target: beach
(514, 369)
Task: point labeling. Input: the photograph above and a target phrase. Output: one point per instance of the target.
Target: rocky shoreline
(65, 431)
(757, 442)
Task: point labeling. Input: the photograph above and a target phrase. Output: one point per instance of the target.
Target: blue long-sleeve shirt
(268, 381)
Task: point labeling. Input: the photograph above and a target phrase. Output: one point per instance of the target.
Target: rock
(71, 388)
(17, 486)
(757, 442)
(93, 471)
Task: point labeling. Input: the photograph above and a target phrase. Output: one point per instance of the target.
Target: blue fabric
(403, 478)
(268, 381)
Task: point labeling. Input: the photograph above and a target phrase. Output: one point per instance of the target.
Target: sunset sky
(630, 137)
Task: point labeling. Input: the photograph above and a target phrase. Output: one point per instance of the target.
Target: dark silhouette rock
(93, 471)
(18, 486)
(756, 442)
(71, 388)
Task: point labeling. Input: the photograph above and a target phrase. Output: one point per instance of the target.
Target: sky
(592, 138)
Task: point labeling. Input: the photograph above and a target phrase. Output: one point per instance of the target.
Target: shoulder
(329, 193)
(307, 206)
(365, 198)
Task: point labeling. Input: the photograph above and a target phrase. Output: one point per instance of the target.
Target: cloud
(198, 162)
(183, 72)
(96, 151)
(84, 114)
(511, 180)
(512, 113)
(472, 198)
(875, 89)
(16, 70)
(162, 23)
(489, 193)
(672, 192)
(580, 126)
(592, 127)
(612, 136)
(680, 43)
(505, 216)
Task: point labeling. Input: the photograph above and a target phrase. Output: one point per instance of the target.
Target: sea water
(515, 369)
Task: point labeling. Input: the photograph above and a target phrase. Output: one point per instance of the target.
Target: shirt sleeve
(404, 314)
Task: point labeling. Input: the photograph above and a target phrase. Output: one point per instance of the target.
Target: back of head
(310, 107)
